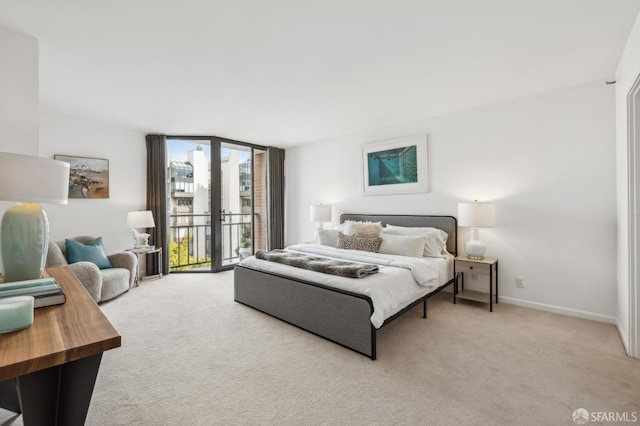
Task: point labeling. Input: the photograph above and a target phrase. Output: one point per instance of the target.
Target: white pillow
(434, 247)
(402, 245)
(435, 242)
(362, 229)
(327, 237)
(404, 230)
(339, 227)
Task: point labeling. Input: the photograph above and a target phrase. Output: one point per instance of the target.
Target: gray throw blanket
(319, 264)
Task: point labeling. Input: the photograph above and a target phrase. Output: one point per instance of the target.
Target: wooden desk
(48, 371)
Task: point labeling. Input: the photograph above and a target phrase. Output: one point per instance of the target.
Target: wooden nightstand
(487, 267)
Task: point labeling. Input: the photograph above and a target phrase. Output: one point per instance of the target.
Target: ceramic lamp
(476, 215)
(142, 219)
(320, 213)
(24, 232)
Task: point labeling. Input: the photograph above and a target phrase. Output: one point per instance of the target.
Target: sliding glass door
(217, 203)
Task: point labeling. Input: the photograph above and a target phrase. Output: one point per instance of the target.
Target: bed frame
(337, 315)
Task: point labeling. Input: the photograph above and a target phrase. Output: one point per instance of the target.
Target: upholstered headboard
(448, 224)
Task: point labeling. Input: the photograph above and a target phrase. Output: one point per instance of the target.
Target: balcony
(190, 240)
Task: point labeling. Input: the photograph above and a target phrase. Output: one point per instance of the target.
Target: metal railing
(190, 239)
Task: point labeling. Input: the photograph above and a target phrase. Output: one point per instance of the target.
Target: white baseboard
(559, 310)
(623, 336)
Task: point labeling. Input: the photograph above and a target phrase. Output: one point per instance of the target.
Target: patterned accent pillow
(362, 229)
(358, 243)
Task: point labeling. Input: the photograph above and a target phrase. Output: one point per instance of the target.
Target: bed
(341, 316)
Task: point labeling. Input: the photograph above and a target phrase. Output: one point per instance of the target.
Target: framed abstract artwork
(88, 177)
(395, 166)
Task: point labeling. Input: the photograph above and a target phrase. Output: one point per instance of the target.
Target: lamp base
(141, 240)
(24, 235)
(475, 257)
(475, 248)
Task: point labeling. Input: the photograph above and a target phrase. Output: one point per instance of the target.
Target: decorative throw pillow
(327, 237)
(91, 252)
(402, 245)
(358, 243)
(362, 229)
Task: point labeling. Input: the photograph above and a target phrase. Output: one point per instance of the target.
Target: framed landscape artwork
(395, 166)
(88, 177)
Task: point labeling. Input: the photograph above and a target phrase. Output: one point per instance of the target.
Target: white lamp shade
(320, 213)
(477, 215)
(140, 219)
(25, 178)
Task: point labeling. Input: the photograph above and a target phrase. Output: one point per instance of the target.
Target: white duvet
(400, 279)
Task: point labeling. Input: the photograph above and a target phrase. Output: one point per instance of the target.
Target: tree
(180, 258)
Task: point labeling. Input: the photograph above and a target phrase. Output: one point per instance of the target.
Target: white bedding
(400, 280)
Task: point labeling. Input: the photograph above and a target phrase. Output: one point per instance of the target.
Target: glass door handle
(222, 216)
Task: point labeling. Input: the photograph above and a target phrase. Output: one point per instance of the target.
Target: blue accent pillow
(91, 252)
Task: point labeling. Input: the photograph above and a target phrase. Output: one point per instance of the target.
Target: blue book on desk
(45, 291)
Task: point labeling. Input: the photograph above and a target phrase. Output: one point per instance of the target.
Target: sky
(177, 149)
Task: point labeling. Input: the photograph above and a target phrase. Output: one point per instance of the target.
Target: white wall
(26, 129)
(126, 151)
(628, 71)
(18, 96)
(547, 161)
(18, 93)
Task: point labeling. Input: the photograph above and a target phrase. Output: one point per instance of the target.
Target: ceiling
(288, 72)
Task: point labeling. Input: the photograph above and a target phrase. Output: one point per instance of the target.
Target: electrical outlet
(474, 276)
(520, 282)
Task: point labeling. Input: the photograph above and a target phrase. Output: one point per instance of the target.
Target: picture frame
(88, 177)
(395, 166)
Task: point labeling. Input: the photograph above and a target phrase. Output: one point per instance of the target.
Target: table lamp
(24, 232)
(320, 213)
(476, 215)
(142, 219)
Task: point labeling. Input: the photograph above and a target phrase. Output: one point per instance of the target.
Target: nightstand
(486, 267)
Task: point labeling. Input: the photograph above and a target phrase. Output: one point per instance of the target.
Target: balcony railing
(190, 239)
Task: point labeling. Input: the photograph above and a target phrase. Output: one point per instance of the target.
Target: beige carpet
(190, 355)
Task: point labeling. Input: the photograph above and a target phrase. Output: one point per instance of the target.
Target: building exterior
(190, 201)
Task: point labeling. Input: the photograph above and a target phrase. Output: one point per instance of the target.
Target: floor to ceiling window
(216, 201)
